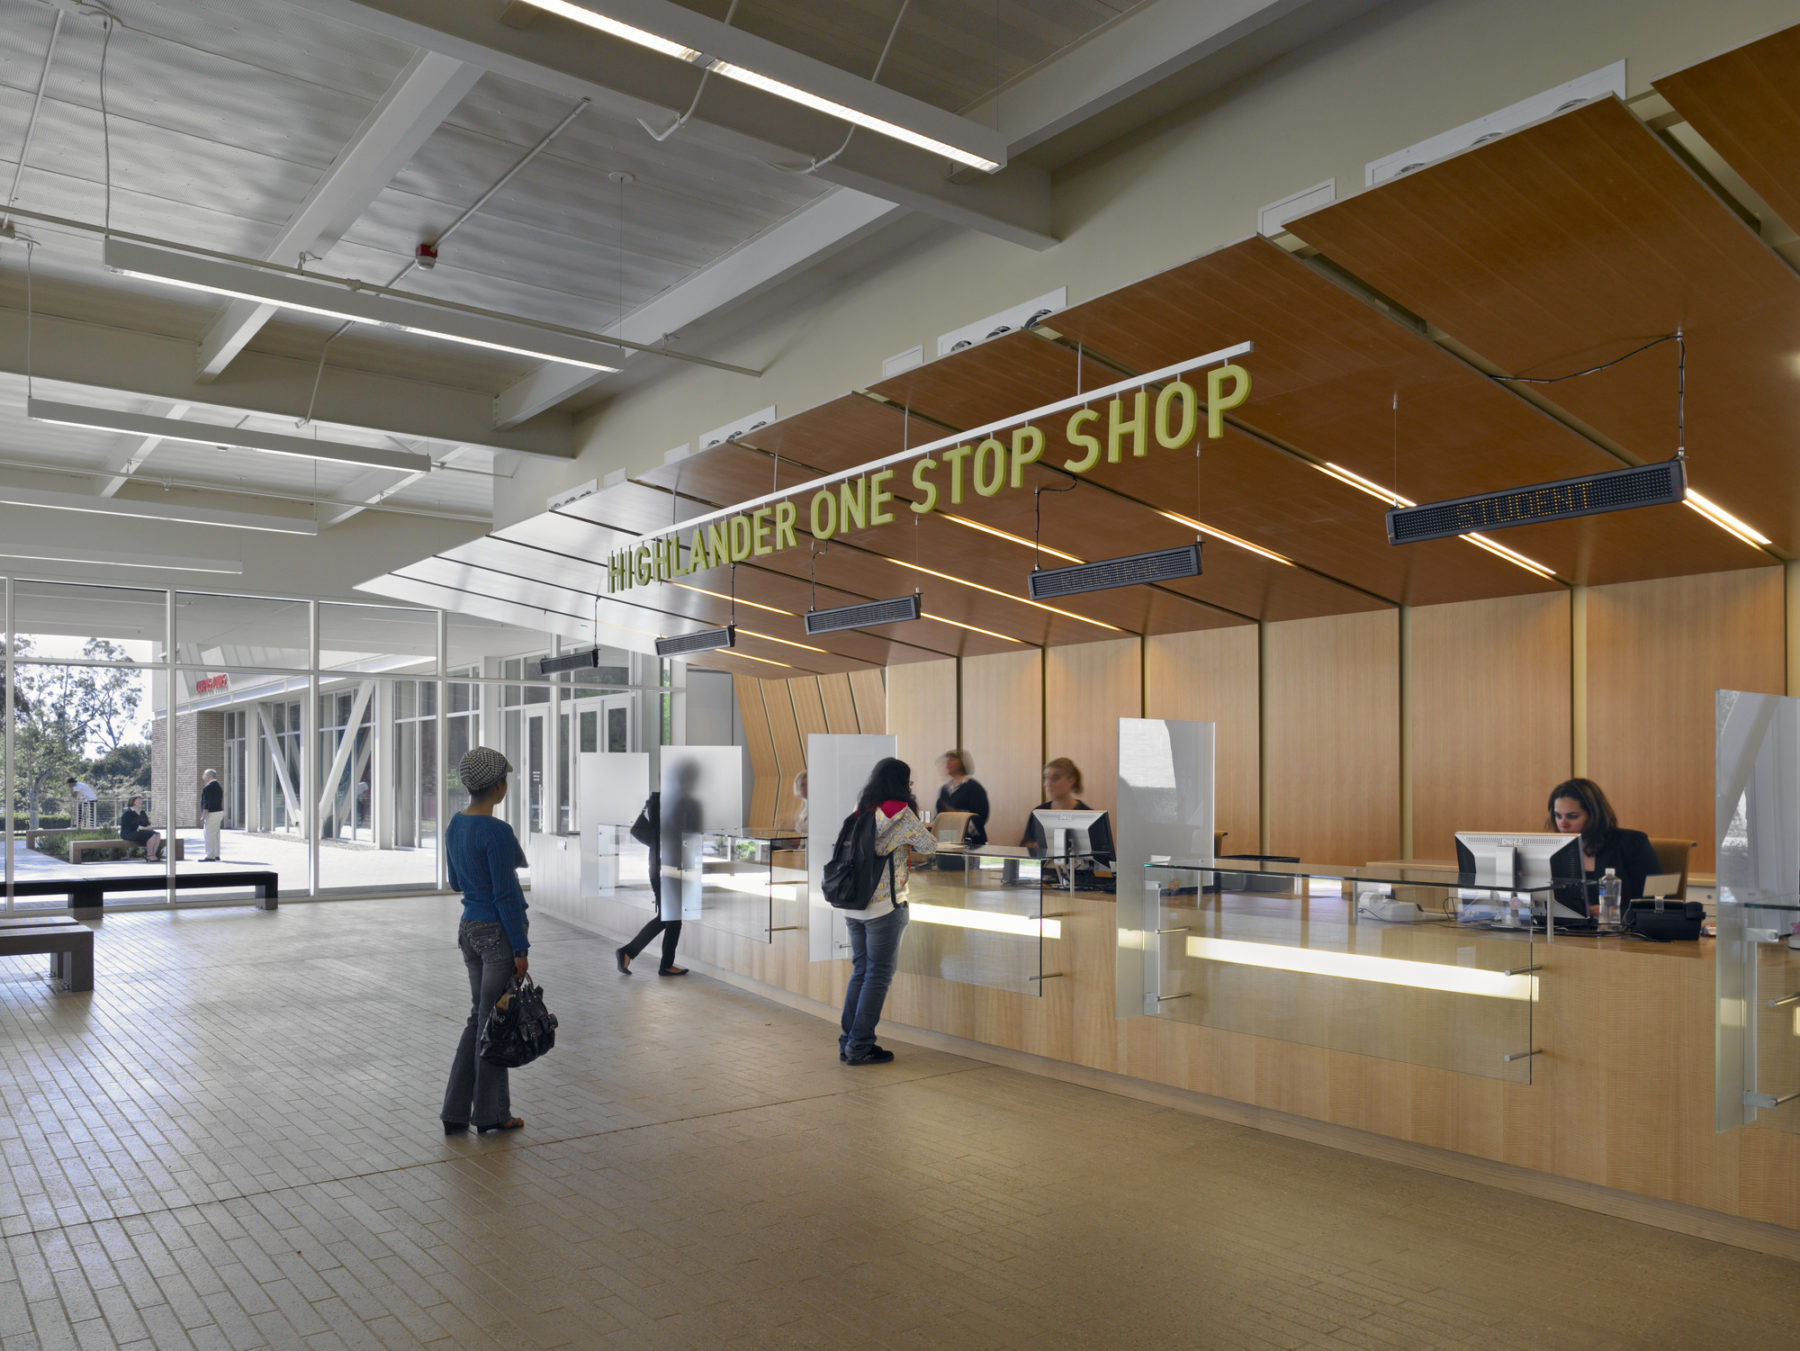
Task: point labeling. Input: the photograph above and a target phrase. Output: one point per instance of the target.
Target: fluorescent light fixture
(785, 642)
(733, 54)
(865, 614)
(1393, 500)
(215, 434)
(1722, 518)
(341, 298)
(974, 628)
(156, 511)
(1159, 565)
(1008, 535)
(1024, 926)
(1356, 966)
(977, 586)
(720, 595)
(1218, 534)
(114, 560)
(701, 640)
(570, 661)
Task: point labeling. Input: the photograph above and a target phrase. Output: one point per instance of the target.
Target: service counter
(1583, 1058)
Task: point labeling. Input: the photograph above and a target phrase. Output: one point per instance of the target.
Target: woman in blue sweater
(484, 859)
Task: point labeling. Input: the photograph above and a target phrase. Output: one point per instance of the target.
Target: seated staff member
(1062, 784)
(961, 793)
(1579, 807)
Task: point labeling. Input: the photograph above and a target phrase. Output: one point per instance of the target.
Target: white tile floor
(233, 1142)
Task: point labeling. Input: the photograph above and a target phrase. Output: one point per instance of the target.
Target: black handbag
(520, 1028)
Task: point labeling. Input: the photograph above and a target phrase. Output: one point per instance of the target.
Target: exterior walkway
(233, 1142)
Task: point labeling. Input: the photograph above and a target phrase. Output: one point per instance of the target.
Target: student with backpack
(866, 879)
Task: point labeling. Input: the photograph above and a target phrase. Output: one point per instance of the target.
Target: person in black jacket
(961, 793)
(212, 812)
(1579, 807)
(647, 830)
(135, 827)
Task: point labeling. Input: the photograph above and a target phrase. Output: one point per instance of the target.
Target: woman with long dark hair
(1579, 807)
(875, 933)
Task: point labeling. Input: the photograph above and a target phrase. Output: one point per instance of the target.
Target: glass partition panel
(984, 919)
(749, 885)
(379, 822)
(226, 632)
(1757, 979)
(68, 621)
(1286, 954)
(250, 729)
(377, 639)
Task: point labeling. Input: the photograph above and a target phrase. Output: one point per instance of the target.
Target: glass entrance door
(533, 770)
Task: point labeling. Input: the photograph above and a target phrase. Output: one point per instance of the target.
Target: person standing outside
(82, 797)
(484, 859)
(875, 933)
(212, 812)
(134, 828)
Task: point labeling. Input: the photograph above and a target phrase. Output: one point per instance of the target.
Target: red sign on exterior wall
(212, 684)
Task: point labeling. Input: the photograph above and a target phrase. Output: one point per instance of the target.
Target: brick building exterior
(199, 746)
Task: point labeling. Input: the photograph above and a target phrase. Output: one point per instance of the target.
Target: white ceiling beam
(122, 464)
(81, 504)
(812, 233)
(417, 102)
(574, 62)
(101, 358)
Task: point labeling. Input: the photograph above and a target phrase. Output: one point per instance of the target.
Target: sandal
(510, 1124)
(672, 971)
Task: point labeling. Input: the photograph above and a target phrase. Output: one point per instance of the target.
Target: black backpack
(854, 869)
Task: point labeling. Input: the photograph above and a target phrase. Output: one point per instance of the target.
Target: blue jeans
(477, 1092)
(874, 953)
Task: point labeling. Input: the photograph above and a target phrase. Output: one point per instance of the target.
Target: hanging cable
(37, 104)
(818, 164)
(108, 21)
(1037, 512)
(813, 571)
(1678, 337)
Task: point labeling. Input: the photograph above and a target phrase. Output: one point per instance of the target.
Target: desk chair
(1672, 857)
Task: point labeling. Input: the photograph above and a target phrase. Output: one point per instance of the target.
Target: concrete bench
(69, 943)
(81, 850)
(87, 895)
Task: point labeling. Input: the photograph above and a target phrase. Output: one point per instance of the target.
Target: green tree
(59, 709)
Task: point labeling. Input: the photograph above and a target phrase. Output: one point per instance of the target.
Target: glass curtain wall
(333, 729)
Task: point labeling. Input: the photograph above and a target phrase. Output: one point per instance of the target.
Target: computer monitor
(1504, 862)
(1072, 833)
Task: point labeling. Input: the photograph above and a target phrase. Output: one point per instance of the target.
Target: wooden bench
(80, 849)
(69, 942)
(87, 895)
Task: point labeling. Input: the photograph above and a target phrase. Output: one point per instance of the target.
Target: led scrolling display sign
(1616, 490)
(1169, 419)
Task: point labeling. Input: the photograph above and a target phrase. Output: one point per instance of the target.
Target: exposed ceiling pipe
(31, 125)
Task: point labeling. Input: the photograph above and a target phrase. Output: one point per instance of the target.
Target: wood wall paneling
(1087, 689)
(1488, 708)
(1003, 732)
(1215, 677)
(921, 710)
(1656, 654)
(764, 770)
(1333, 736)
(870, 692)
(790, 750)
(809, 707)
(840, 705)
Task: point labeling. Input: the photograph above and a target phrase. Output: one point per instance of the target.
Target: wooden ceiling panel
(1570, 243)
(840, 434)
(1746, 105)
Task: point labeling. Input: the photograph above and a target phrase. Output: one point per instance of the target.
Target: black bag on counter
(520, 1029)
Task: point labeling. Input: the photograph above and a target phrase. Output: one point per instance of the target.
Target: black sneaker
(876, 1056)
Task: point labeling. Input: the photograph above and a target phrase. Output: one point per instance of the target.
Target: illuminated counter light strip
(749, 884)
(1356, 966)
(1021, 925)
